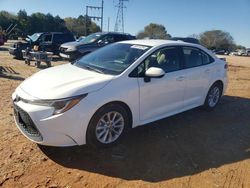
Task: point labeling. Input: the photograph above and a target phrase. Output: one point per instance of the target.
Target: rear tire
(107, 126)
(48, 64)
(213, 97)
(27, 62)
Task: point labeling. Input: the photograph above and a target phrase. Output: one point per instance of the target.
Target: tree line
(81, 26)
(213, 39)
(39, 22)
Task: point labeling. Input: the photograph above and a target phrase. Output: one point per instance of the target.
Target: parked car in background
(77, 49)
(239, 52)
(48, 41)
(234, 52)
(248, 51)
(96, 99)
(186, 39)
(221, 52)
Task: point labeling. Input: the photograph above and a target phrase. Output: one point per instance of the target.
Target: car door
(160, 97)
(198, 75)
(46, 43)
(57, 40)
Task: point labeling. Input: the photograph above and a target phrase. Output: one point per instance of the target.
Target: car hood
(72, 44)
(62, 82)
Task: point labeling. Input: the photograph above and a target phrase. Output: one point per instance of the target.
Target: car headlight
(59, 105)
(71, 49)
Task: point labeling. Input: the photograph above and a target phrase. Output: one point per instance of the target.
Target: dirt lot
(193, 149)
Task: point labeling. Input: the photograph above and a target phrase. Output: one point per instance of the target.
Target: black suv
(186, 39)
(49, 41)
(75, 50)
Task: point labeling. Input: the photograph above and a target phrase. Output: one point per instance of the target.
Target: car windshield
(112, 59)
(81, 39)
(35, 36)
(90, 38)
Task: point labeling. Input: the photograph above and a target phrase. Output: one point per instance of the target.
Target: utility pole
(119, 24)
(94, 17)
(108, 23)
(102, 15)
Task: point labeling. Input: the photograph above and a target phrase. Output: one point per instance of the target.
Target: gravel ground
(192, 149)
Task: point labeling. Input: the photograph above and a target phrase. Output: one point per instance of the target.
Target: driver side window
(167, 59)
(108, 39)
(46, 38)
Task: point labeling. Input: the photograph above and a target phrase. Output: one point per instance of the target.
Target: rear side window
(206, 59)
(192, 57)
(62, 38)
(67, 38)
(57, 38)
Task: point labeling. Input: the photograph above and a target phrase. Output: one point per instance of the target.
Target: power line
(94, 17)
(119, 24)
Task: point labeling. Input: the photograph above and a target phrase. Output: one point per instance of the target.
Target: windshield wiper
(94, 69)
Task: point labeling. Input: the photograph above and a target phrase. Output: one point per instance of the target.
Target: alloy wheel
(109, 127)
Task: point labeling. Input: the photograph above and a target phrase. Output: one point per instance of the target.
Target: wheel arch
(219, 83)
(124, 105)
(120, 103)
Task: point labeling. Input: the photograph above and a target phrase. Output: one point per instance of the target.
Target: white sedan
(96, 99)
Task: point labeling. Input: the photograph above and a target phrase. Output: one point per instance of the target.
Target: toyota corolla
(97, 98)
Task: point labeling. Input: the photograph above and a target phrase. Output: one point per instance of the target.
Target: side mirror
(102, 42)
(155, 72)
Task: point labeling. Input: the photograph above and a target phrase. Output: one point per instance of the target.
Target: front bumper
(25, 124)
(39, 125)
(70, 55)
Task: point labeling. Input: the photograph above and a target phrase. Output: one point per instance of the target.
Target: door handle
(207, 71)
(180, 78)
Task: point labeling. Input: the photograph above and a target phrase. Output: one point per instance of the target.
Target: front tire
(213, 97)
(38, 63)
(107, 126)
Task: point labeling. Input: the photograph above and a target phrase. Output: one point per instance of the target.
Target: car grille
(26, 124)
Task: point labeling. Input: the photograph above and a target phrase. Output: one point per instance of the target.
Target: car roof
(157, 42)
(54, 32)
(112, 33)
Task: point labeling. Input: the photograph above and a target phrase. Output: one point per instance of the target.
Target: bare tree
(217, 39)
